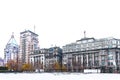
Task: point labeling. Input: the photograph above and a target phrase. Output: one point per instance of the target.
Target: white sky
(59, 22)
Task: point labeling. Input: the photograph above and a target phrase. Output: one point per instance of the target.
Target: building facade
(92, 53)
(1, 62)
(46, 58)
(11, 50)
(38, 59)
(28, 44)
(53, 59)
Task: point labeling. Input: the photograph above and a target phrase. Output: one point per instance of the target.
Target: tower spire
(84, 34)
(12, 35)
(34, 28)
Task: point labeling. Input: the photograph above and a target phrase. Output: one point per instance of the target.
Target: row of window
(85, 48)
(89, 46)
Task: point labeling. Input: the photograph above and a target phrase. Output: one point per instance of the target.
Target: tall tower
(11, 50)
(28, 43)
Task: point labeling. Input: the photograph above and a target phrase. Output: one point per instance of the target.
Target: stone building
(92, 53)
(1, 62)
(37, 59)
(45, 59)
(28, 44)
(11, 50)
(53, 58)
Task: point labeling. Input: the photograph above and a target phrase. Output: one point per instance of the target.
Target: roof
(28, 31)
(12, 40)
(85, 39)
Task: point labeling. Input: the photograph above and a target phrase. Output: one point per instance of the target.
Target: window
(114, 42)
(118, 42)
(110, 63)
(110, 57)
(96, 58)
(81, 45)
(102, 52)
(85, 41)
(110, 53)
(90, 63)
(89, 55)
(35, 46)
(87, 45)
(96, 54)
(102, 57)
(103, 63)
(96, 63)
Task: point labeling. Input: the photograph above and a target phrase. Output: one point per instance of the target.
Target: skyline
(59, 22)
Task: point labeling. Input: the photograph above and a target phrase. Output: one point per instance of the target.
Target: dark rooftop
(28, 31)
(82, 39)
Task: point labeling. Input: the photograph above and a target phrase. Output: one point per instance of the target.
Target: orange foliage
(27, 67)
(12, 65)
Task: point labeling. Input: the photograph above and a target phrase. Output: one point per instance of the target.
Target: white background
(59, 22)
(58, 76)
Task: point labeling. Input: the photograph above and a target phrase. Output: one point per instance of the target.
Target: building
(53, 59)
(46, 58)
(38, 59)
(92, 53)
(28, 44)
(11, 50)
(1, 62)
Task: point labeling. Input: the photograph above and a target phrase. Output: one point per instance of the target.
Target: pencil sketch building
(92, 53)
(45, 59)
(1, 62)
(54, 56)
(37, 59)
(11, 50)
(28, 44)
